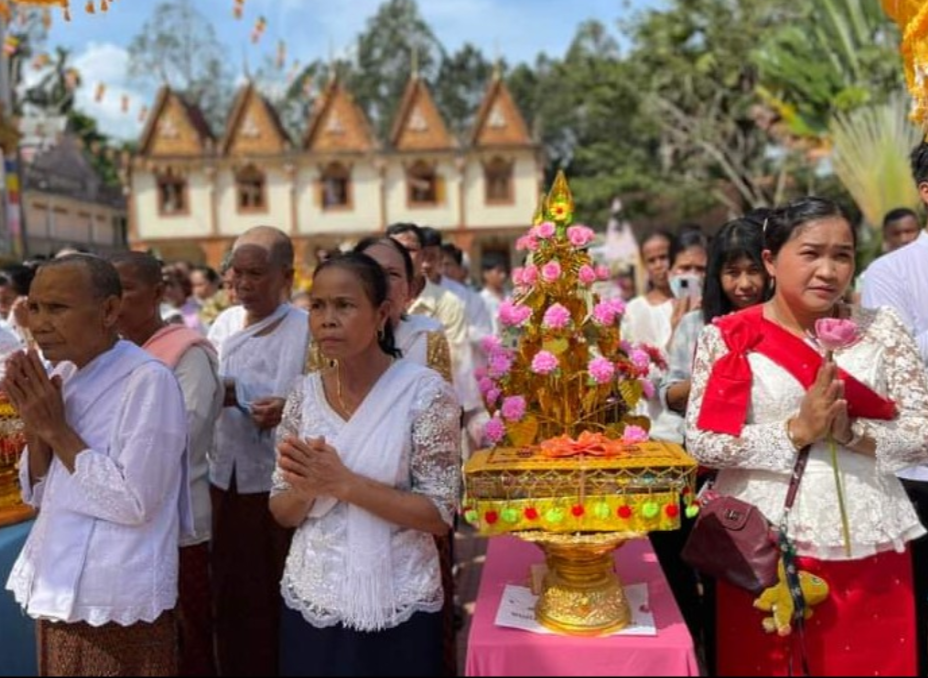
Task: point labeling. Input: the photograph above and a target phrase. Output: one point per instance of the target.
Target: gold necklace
(338, 390)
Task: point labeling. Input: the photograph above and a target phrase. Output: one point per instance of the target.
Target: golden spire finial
(559, 207)
(540, 210)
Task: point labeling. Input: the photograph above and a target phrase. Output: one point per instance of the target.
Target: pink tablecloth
(497, 651)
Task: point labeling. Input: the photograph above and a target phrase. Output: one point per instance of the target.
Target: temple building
(192, 192)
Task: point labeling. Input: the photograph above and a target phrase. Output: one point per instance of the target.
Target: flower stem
(845, 527)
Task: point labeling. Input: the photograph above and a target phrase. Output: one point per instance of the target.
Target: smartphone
(687, 285)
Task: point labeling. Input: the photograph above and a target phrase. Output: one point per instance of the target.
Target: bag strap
(788, 554)
(802, 459)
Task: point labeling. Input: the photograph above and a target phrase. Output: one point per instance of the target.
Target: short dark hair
(104, 279)
(402, 227)
(431, 237)
(898, 214)
(688, 238)
(737, 239)
(453, 251)
(370, 241)
(919, 162)
(659, 233)
(145, 265)
(375, 284)
(20, 277)
(209, 273)
(493, 260)
(785, 221)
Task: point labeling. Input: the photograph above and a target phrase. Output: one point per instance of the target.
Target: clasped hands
(36, 396)
(313, 468)
(823, 410)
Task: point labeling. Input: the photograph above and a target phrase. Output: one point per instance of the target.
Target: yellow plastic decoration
(779, 603)
(912, 19)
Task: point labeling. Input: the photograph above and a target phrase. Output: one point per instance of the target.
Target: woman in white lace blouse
(367, 472)
(761, 391)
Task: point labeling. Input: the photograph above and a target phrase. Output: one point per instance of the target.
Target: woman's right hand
(294, 461)
(819, 407)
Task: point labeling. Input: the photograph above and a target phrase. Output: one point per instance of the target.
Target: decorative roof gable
(499, 122)
(418, 125)
(175, 128)
(338, 124)
(254, 127)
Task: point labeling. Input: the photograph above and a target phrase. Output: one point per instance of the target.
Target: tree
(460, 86)
(177, 46)
(395, 40)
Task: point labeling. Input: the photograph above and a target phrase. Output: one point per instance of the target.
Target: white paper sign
(517, 611)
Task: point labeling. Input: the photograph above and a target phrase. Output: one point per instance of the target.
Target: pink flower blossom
(485, 385)
(529, 275)
(617, 304)
(480, 372)
(603, 273)
(647, 387)
(544, 362)
(602, 370)
(544, 230)
(517, 277)
(556, 317)
(580, 236)
(835, 333)
(513, 408)
(512, 314)
(492, 396)
(495, 430)
(604, 314)
(634, 434)
(490, 344)
(639, 358)
(626, 346)
(551, 271)
(499, 365)
(586, 274)
(527, 242)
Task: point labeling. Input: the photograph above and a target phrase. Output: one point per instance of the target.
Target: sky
(516, 30)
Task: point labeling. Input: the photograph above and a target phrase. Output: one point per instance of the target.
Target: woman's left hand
(841, 424)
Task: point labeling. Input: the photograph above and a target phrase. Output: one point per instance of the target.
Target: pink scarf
(171, 342)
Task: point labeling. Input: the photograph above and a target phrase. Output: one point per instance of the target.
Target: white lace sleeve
(902, 442)
(435, 464)
(762, 447)
(290, 423)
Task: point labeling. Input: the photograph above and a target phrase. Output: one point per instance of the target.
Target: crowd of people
(234, 477)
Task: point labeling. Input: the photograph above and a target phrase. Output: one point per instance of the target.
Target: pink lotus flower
(551, 271)
(603, 273)
(580, 236)
(544, 362)
(556, 317)
(544, 230)
(604, 314)
(495, 430)
(499, 365)
(586, 275)
(529, 275)
(602, 370)
(634, 434)
(513, 408)
(836, 333)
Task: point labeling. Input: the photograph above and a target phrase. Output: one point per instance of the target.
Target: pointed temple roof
(254, 127)
(499, 122)
(175, 128)
(338, 124)
(418, 125)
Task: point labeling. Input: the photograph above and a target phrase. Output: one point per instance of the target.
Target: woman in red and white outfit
(762, 391)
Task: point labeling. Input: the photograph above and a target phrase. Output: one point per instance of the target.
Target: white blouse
(316, 563)
(756, 466)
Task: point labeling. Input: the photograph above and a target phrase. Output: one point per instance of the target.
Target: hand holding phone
(686, 285)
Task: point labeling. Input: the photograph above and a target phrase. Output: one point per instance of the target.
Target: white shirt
(756, 466)
(492, 301)
(646, 323)
(104, 546)
(263, 366)
(900, 280)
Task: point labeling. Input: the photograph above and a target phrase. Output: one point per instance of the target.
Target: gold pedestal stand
(581, 594)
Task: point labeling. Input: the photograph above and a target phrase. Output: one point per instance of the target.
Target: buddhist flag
(72, 78)
(46, 19)
(143, 114)
(238, 9)
(281, 54)
(5, 12)
(100, 93)
(125, 103)
(258, 30)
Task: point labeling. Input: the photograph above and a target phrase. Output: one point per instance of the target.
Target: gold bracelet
(789, 435)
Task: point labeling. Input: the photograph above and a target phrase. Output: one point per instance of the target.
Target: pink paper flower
(499, 365)
(639, 359)
(603, 273)
(492, 396)
(551, 271)
(517, 276)
(617, 304)
(586, 275)
(604, 313)
(556, 317)
(647, 387)
(544, 230)
(512, 314)
(485, 385)
(527, 242)
(480, 372)
(634, 434)
(513, 408)
(836, 333)
(490, 344)
(544, 362)
(529, 275)
(580, 236)
(602, 370)
(495, 430)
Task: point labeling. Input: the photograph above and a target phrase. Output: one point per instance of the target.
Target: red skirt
(866, 627)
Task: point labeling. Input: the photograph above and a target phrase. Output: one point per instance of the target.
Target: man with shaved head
(107, 437)
(262, 349)
(195, 363)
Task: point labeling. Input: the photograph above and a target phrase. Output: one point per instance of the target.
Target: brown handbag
(733, 540)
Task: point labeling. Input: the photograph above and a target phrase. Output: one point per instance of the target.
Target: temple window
(250, 185)
(498, 181)
(172, 194)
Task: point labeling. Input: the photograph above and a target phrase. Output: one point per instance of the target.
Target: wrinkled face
(259, 284)
(67, 320)
(815, 266)
(900, 233)
(342, 318)
(691, 261)
(392, 264)
(140, 300)
(656, 255)
(203, 289)
(411, 243)
(743, 282)
(431, 263)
